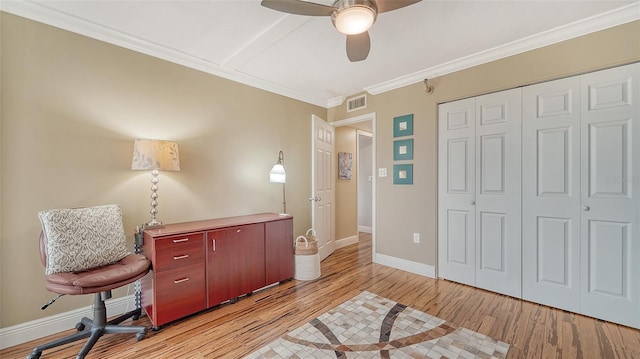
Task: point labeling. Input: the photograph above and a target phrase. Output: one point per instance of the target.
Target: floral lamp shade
(155, 155)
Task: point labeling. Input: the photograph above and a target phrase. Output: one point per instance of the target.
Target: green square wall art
(403, 125)
(403, 150)
(403, 174)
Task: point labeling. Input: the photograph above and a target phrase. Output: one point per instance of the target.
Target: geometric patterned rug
(369, 326)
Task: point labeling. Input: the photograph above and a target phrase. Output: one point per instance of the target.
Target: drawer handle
(213, 243)
(180, 280)
(180, 240)
(238, 230)
(184, 256)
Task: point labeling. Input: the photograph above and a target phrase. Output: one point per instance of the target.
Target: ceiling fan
(351, 17)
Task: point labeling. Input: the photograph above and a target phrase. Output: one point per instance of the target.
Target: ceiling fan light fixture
(355, 18)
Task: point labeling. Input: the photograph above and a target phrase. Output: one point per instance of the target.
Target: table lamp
(155, 155)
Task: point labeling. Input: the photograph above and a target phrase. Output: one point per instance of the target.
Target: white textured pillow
(83, 238)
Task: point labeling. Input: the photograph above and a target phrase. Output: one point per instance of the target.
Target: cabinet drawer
(180, 292)
(179, 251)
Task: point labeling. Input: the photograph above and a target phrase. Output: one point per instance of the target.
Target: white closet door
(456, 182)
(551, 194)
(498, 192)
(610, 202)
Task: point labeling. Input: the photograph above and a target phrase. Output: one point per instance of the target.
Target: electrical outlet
(416, 238)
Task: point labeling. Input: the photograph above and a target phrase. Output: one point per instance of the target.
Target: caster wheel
(233, 300)
(80, 327)
(141, 336)
(136, 317)
(33, 356)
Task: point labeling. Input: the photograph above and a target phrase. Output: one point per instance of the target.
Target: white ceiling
(304, 57)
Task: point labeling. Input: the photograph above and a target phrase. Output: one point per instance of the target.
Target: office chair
(84, 251)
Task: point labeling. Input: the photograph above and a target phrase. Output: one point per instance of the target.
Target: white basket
(307, 267)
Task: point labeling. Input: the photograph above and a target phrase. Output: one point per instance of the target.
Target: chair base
(94, 329)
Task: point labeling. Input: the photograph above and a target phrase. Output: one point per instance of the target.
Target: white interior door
(551, 193)
(498, 192)
(456, 194)
(323, 197)
(610, 250)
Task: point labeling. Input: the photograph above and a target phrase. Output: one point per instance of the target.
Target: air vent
(356, 103)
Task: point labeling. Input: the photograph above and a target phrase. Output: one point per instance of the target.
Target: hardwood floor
(234, 330)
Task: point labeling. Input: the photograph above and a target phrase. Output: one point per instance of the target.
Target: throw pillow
(82, 238)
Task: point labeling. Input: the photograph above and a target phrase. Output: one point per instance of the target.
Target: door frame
(349, 121)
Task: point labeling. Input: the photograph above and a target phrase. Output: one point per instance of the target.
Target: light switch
(382, 172)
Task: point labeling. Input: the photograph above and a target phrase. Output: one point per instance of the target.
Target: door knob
(472, 203)
(585, 208)
(314, 199)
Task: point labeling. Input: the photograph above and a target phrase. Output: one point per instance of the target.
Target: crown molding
(595, 23)
(44, 14)
(41, 13)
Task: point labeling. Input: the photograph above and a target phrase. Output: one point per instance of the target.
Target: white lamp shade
(277, 174)
(155, 155)
(354, 20)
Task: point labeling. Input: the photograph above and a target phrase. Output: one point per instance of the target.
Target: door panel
(551, 193)
(323, 211)
(498, 192)
(554, 256)
(456, 177)
(610, 203)
(492, 241)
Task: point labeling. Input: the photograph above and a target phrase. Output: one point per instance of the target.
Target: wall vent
(356, 103)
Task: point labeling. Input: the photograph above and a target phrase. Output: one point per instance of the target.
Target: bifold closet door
(479, 175)
(610, 199)
(456, 194)
(581, 203)
(498, 192)
(551, 193)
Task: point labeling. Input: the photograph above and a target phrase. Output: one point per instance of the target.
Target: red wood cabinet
(235, 262)
(197, 265)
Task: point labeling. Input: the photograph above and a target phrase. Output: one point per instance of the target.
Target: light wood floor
(234, 330)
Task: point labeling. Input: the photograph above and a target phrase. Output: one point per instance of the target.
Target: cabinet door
(456, 194)
(551, 193)
(279, 250)
(235, 262)
(610, 200)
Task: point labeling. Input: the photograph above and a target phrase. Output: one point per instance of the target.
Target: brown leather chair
(99, 281)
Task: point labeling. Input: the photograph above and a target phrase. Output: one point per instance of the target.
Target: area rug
(370, 326)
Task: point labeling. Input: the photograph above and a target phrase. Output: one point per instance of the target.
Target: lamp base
(152, 223)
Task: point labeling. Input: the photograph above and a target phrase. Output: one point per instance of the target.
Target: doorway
(363, 130)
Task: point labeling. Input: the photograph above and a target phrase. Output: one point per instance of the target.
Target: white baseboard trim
(346, 241)
(405, 265)
(35, 329)
(365, 229)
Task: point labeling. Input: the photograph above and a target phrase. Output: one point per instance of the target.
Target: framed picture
(345, 161)
(403, 174)
(403, 150)
(403, 125)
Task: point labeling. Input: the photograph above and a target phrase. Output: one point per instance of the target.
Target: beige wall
(346, 190)
(402, 210)
(71, 108)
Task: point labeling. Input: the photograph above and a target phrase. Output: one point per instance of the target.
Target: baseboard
(365, 229)
(346, 241)
(35, 329)
(405, 265)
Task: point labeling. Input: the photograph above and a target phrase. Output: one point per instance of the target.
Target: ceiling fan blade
(299, 7)
(358, 46)
(388, 5)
